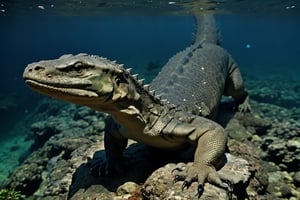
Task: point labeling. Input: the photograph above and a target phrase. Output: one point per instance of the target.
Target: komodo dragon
(193, 82)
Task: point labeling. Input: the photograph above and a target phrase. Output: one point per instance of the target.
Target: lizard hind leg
(234, 87)
(208, 156)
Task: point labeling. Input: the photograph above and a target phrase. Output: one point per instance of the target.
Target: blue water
(262, 45)
(133, 41)
(274, 42)
(137, 40)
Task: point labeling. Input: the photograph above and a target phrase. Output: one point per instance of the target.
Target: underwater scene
(71, 98)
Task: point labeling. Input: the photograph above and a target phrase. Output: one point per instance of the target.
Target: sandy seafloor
(265, 47)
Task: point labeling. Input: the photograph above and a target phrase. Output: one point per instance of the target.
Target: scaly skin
(197, 77)
(136, 113)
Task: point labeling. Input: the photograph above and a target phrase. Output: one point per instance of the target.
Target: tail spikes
(152, 92)
(164, 100)
(158, 96)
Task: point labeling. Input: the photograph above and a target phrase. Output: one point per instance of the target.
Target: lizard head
(82, 79)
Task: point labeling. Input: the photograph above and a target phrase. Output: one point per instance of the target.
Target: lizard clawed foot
(244, 106)
(201, 173)
(105, 169)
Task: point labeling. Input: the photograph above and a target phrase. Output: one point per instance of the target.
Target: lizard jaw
(56, 91)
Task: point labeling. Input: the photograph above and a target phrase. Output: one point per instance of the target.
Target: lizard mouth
(60, 90)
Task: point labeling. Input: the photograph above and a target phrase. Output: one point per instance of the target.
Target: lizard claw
(177, 169)
(200, 190)
(177, 178)
(244, 106)
(229, 184)
(228, 188)
(104, 169)
(185, 184)
(179, 175)
(200, 173)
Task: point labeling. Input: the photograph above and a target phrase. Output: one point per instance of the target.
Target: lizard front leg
(211, 142)
(114, 144)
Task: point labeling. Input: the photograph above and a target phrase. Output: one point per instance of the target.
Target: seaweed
(11, 194)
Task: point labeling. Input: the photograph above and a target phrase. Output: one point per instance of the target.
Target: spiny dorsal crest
(139, 83)
(112, 65)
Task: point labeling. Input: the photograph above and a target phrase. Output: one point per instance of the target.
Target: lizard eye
(78, 70)
(78, 67)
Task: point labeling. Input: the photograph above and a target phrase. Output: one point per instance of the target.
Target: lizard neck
(137, 109)
(136, 115)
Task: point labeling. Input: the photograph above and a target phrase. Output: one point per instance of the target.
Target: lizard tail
(207, 31)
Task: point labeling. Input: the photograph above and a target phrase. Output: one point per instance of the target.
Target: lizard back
(195, 77)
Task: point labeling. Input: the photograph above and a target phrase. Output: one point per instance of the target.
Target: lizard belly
(155, 141)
